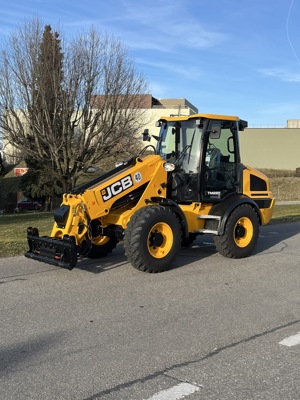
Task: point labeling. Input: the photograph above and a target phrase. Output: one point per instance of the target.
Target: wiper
(182, 154)
(191, 145)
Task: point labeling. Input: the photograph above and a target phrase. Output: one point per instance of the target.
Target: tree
(2, 168)
(40, 183)
(69, 105)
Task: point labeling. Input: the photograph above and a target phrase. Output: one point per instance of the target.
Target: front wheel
(240, 234)
(152, 239)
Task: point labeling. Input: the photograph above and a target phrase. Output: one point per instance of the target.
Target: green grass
(286, 213)
(286, 189)
(285, 184)
(13, 230)
(14, 227)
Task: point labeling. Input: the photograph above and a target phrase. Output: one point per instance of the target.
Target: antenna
(179, 112)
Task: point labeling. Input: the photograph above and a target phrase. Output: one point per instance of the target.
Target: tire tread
(132, 238)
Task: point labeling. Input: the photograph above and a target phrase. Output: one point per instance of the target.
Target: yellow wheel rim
(243, 232)
(100, 240)
(160, 240)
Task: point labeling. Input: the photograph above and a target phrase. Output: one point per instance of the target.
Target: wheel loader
(192, 182)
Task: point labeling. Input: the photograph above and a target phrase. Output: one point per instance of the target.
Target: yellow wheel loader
(191, 183)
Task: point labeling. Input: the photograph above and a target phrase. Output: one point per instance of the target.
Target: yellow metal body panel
(156, 187)
(266, 213)
(198, 116)
(76, 218)
(192, 212)
(98, 201)
(148, 169)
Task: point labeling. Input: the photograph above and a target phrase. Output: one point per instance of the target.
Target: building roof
(143, 101)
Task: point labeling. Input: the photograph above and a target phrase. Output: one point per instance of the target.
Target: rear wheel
(240, 234)
(152, 239)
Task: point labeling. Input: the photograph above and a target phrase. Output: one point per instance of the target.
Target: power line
(287, 32)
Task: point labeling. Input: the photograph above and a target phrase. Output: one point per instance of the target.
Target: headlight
(169, 167)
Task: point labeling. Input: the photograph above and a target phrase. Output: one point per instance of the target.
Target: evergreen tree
(42, 181)
(47, 93)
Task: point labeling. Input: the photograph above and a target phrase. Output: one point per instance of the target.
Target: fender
(225, 208)
(162, 201)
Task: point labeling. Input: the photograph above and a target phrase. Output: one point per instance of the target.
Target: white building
(152, 109)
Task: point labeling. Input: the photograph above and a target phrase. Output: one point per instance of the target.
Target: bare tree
(69, 105)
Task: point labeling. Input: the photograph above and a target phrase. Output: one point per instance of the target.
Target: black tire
(240, 234)
(152, 239)
(102, 250)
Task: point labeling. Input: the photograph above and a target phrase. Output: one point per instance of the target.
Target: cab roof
(198, 116)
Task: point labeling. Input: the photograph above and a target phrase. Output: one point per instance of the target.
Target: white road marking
(291, 340)
(269, 233)
(176, 392)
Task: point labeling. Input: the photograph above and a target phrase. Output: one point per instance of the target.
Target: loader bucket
(59, 252)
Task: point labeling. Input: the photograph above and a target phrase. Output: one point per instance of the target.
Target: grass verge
(13, 230)
(286, 213)
(14, 227)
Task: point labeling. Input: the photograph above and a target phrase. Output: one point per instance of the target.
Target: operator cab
(205, 152)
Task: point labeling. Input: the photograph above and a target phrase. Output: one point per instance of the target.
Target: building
(262, 148)
(151, 110)
(272, 148)
(164, 108)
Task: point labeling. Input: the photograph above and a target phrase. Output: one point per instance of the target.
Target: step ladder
(212, 224)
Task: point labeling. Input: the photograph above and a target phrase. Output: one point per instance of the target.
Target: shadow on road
(203, 247)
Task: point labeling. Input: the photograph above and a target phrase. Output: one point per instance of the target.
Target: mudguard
(225, 208)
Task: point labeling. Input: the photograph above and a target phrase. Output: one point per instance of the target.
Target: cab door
(220, 160)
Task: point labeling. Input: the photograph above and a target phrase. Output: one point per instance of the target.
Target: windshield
(180, 144)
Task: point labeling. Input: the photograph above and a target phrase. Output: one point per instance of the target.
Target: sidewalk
(284, 203)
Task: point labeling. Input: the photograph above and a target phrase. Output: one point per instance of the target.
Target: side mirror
(242, 124)
(146, 136)
(215, 132)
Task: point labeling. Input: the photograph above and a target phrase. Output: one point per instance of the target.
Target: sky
(235, 57)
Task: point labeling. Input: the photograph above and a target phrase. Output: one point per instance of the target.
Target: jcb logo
(116, 188)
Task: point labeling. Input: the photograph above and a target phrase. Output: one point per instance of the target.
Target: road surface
(210, 328)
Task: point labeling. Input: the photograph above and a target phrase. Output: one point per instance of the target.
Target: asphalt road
(210, 328)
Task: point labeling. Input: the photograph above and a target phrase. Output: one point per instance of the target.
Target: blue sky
(224, 56)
